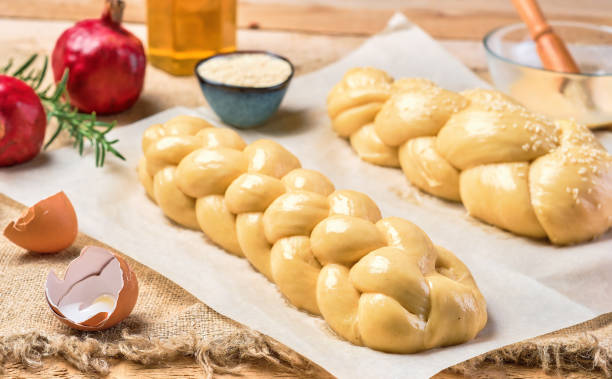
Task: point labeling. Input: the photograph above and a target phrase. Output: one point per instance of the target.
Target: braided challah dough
(509, 167)
(378, 282)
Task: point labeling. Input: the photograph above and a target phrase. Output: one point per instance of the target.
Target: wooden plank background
(450, 19)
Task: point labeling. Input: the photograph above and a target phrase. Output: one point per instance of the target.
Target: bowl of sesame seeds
(244, 88)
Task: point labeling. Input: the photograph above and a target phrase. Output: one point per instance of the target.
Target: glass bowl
(586, 97)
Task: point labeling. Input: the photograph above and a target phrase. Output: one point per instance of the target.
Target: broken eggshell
(48, 226)
(98, 291)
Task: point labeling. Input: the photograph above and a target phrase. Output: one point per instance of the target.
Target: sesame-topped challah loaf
(508, 166)
(378, 282)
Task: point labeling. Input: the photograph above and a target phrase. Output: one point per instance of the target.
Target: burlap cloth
(168, 322)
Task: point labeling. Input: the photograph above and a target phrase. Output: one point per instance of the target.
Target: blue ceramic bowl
(243, 107)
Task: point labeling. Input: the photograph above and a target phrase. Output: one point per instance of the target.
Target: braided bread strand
(508, 166)
(378, 282)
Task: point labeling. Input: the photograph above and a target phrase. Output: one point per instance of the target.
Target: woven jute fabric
(168, 322)
(583, 347)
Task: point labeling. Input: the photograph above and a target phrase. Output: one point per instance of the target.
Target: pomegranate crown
(113, 11)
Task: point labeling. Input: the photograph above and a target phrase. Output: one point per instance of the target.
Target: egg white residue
(246, 70)
(73, 311)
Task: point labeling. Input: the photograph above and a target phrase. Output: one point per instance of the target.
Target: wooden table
(312, 33)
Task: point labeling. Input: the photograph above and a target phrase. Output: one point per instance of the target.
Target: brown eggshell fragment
(98, 291)
(48, 226)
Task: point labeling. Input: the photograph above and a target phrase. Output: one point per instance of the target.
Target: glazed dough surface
(378, 282)
(510, 167)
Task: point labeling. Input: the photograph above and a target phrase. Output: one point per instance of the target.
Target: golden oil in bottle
(182, 32)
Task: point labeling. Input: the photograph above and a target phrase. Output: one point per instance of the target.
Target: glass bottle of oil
(182, 32)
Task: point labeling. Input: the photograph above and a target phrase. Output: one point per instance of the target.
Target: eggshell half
(96, 274)
(48, 226)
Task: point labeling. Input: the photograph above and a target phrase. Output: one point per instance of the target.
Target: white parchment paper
(531, 287)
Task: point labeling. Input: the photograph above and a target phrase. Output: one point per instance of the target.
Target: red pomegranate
(22, 122)
(106, 62)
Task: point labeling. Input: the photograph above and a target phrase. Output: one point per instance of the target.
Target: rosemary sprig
(82, 127)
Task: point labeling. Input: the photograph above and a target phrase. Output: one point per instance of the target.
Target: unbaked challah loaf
(378, 282)
(509, 167)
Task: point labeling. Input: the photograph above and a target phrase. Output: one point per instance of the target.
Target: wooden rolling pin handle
(540, 31)
(554, 54)
(551, 49)
(532, 16)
